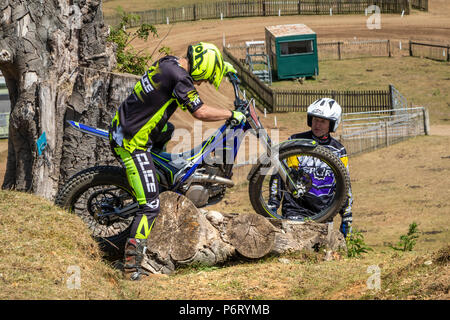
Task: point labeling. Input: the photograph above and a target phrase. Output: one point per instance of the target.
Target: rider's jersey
(322, 179)
(156, 96)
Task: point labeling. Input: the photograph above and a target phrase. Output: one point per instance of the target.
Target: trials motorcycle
(103, 198)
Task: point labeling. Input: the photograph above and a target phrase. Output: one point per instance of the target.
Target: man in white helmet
(323, 116)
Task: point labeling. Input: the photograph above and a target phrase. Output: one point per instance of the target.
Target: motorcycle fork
(280, 167)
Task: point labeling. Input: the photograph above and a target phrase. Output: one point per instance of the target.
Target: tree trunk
(184, 235)
(94, 100)
(252, 235)
(296, 236)
(42, 47)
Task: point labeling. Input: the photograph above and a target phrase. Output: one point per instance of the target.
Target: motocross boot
(133, 257)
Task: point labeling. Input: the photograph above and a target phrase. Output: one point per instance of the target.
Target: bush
(408, 241)
(356, 245)
(128, 59)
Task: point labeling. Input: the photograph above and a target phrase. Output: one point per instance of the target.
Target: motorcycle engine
(203, 193)
(198, 194)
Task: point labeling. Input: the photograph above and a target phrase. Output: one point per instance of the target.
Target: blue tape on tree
(41, 143)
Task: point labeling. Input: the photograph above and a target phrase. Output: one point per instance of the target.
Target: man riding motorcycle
(142, 120)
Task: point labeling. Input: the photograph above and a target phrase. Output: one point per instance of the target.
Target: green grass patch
(422, 82)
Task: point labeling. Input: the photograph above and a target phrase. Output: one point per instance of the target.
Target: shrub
(128, 59)
(408, 241)
(355, 244)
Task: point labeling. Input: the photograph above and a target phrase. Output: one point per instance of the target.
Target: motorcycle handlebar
(239, 104)
(235, 81)
(233, 77)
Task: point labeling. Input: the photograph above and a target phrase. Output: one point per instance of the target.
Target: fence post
(448, 53)
(339, 50)
(426, 122)
(386, 132)
(391, 95)
(410, 49)
(195, 14)
(408, 6)
(389, 47)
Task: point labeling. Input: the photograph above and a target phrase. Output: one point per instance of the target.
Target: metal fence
(430, 51)
(298, 100)
(368, 131)
(4, 125)
(350, 49)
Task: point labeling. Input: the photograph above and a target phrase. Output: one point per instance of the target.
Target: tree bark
(185, 235)
(94, 100)
(43, 46)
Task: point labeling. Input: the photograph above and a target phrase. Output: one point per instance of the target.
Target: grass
(141, 5)
(399, 189)
(39, 243)
(422, 82)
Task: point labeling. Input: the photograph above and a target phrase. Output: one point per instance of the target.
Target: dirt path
(433, 26)
(440, 130)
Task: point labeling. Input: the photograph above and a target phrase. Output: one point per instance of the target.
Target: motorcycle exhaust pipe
(201, 178)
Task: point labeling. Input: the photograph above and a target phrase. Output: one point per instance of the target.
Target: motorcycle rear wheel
(94, 191)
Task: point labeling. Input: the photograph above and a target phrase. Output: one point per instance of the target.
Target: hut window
(296, 47)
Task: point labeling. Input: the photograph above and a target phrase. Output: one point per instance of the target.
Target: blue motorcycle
(102, 196)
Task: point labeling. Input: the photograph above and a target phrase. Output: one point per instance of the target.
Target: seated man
(323, 116)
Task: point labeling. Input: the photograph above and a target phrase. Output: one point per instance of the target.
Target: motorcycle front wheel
(317, 170)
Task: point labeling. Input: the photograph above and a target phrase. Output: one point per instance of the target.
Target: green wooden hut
(292, 49)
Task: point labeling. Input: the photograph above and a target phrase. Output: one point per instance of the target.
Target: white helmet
(325, 108)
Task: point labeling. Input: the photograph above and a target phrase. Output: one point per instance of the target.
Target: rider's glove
(228, 67)
(237, 116)
(346, 227)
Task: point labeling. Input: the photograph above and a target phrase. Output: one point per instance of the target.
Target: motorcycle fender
(304, 143)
